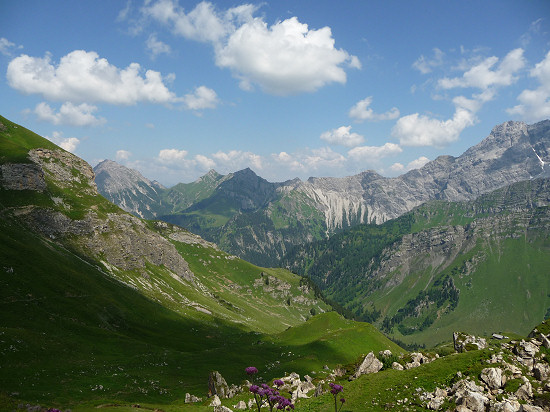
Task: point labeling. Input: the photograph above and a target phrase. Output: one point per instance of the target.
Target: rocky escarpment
(72, 212)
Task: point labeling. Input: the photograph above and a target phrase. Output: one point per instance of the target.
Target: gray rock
(463, 342)
(217, 385)
(506, 406)
(369, 365)
(541, 371)
(221, 408)
(397, 366)
(241, 406)
(474, 401)
(216, 401)
(525, 391)
(493, 377)
(526, 349)
(192, 398)
(531, 408)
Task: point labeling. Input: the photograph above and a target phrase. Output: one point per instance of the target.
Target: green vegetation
(494, 280)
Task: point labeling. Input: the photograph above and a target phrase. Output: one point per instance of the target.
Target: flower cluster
(335, 389)
(270, 397)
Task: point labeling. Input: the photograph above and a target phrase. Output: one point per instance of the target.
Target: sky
(175, 88)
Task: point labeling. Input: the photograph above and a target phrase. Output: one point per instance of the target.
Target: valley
(103, 308)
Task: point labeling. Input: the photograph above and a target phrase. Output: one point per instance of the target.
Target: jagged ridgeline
(260, 221)
(97, 305)
(482, 265)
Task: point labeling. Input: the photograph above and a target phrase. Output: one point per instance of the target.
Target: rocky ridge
(294, 212)
(118, 239)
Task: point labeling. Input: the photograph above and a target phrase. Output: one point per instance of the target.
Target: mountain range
(260, 221)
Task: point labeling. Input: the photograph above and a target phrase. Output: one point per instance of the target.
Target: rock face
(514, 151)
(118, 239)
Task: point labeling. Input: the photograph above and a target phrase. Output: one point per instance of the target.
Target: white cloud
(483, 75)
(205, 163)
(70, 114)
(172, 155)
(7, 46)
(361, 111)
(417, 163)
(342, 136)
(201, 98)
(397, 167)
(149, 125)
(156, 47)
(282, 59)
(285, 58)
(83, 76)
(535, 104)
(323, 158)
(419, 130)
(372, 153)
(426, 65)
(237, 159)
(203, 23)
(69, 144)
(123, 155)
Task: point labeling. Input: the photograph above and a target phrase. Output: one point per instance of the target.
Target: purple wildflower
(254, 388)
(251, 370)
(278, 382)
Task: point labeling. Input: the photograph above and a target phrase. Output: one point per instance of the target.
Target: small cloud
(342, 136)
(69, 144)
(201, 98)
(7, 46)
(149, 125)
(535, 104)
(172, 155)
(122, 155)
(157, 47)
(370, 153)
(397, 168)
(69, 114)
(417, 163)
(426, 65)
(420, 130)
(361, 111)
(484, 74)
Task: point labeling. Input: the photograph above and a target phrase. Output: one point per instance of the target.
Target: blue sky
(174, 88)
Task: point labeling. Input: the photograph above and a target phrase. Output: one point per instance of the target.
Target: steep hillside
(258, 220)
(99, 306)
(480, 266)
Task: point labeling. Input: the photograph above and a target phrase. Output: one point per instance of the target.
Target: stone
(385, 353)
(531, 408)
(541, 371)
(397, 366)
(191, 398)
(506, 406)
(319, 390)
(221, 408)
(526, 349)
(215, 401)
(525, 391)
(241, 406)
(474, 401)
(464, 342)
(369, 365)
(435, 403)
(411, 365)
(217, 385)
(493, 377)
